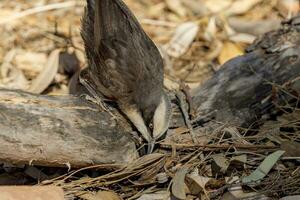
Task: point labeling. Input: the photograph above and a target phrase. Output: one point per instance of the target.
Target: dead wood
(57, 131)
(246, 87)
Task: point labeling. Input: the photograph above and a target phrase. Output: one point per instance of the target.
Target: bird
(125, 66)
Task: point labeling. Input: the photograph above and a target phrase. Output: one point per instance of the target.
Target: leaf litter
(196, 37)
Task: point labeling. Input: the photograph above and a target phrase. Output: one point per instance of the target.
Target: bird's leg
(94, 98)
(182, 103)
(186, 90)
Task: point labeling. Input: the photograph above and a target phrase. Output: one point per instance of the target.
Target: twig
(95, 98)
(182, 104)
(158, 23)
(218, 146)
(39, 9)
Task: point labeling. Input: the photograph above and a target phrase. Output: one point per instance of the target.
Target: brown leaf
(197, 183)
(160, 195)
(241, 7)
(253, 27)
(32, 62)
(178, 186)
(296, 197)
(107, 195)
(228, 196)
(242, 38)
(182, 39)
(288, 8)
(101, 195)
(230, 50)
(45, 78)
(221, 162)
(292, 149)
(211, 30)
(177, 7)
(16, 80)
(216, 6)
(31, 192)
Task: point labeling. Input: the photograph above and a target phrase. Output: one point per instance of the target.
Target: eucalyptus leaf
(178, 186)
(264, 168)
(45, 78)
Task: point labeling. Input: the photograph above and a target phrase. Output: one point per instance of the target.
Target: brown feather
(124, 64)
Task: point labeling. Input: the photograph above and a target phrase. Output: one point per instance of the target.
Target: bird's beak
(161, 121)
(151, 145)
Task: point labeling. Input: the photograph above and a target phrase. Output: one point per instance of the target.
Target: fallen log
(60, 131)
(240, 93)
(66, 130)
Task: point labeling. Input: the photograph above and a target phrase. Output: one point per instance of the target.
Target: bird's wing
(122, 57)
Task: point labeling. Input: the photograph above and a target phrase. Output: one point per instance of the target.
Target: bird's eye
(151, 125)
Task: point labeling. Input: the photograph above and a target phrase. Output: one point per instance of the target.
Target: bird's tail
(108, 19)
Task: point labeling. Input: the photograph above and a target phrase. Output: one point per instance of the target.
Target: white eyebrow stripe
(161, 118)
(136, 118)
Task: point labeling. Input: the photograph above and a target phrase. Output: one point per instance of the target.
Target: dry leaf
(178, 186)
(107, 195)
(101, 195)
(253, 27)
(182, 39)
(30, 61)
(12, 77)
(197, 183)
(228, 196)
(239, 193)
(31, 193)
(291, 148)
(296, 197)
(177, 7)
(6, 63)
(216, 6)
(264, 168)
(241, 7)
(16, 80)
(221, 162)
(44, 79)
(242, 38)
(241, 158)
(288, 8)
(211, 29)
(236, 190)
(170, 84)
(197, 7)
(229, 51)
(160, 195)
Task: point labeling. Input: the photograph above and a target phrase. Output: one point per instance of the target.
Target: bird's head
(157, 116)
(151, 120)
